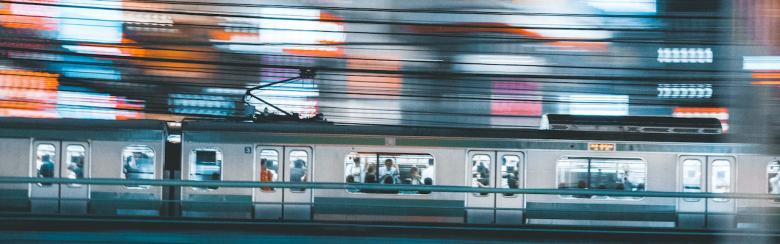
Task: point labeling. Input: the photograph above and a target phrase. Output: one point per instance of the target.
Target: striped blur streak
(35, 94)
(721, 114)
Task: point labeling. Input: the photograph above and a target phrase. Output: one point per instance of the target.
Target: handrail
(394, 187)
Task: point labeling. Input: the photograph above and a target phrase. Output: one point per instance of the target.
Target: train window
(298, 167)
(44, 162)
(205, 165)
(721, 178)
(773, 176)
(389, 168)
(692, 181)
(510, 173)
(138, 164)
(75, 154)
(480, 172)
(269, 167)
(601, 173)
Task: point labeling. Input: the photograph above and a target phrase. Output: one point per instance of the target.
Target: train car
(73, 148)
(500, 158)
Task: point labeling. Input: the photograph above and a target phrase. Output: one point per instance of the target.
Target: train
(633, 158)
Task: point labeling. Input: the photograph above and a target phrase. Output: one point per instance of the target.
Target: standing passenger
(388, 171)
(356, 170)
(265, 174)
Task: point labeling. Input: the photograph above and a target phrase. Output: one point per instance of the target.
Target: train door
(710, 174)
(720, 179)
(297, 168)
(269, 168)
(480, 168)
(55, 159)
(509, 175)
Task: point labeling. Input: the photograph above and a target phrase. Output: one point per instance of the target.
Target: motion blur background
(478, 63)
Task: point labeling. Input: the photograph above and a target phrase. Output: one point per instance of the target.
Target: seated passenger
(774, 183)
(407, 181)
(428, 181)
(370, 179)
(388, 181)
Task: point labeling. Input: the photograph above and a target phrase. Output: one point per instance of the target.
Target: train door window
(269, 167)
(75, 156)
(692, 180)
(480, 172)
(206, 165)
(298, 167)
(773, 176)
(510, 173)
(721, 178)
(138, 163)
(602, 174)
(44, 161)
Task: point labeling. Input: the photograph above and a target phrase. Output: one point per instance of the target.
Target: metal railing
(385, 187)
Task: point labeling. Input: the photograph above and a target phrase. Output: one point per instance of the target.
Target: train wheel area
(76, 229)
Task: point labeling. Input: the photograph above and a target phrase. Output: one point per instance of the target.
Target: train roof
(75, 124)
(83, 129)
(383, 130)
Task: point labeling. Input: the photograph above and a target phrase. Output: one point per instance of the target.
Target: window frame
(377, 156)
(776, 163)
(730, 166)
(122, 163)
(68, 162)
(701, 179)
(601, 197)
(218, 157)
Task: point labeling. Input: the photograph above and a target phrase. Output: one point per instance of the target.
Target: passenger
(46, 169)
(388, 180)
(77, 167)
(298, 173)
(774, 183)
(265, 174)
(351, 179)
(427, 172)
(356, 169)
(407, 181)
(370, 174)
(389, 170)
(480, 175)
(626, 182)
(414, 176)
(427, 182)
(370, 179)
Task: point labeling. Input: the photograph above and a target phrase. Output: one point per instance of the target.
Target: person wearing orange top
(265, 175)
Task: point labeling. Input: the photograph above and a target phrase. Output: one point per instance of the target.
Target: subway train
(671, 157)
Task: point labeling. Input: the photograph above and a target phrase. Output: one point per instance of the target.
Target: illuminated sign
(601, 147)
(685, 55)
(684, 90)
